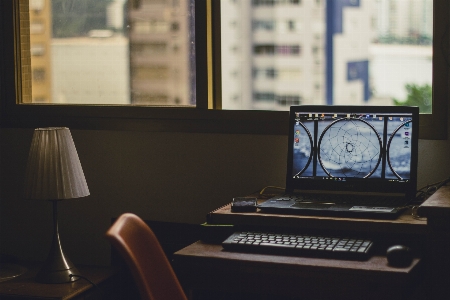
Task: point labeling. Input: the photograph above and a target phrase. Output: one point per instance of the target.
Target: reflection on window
(355, 52)
(112, 52)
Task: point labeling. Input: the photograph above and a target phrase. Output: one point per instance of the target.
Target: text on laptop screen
(352, 146)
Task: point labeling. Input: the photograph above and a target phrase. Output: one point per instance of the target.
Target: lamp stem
(57, 268)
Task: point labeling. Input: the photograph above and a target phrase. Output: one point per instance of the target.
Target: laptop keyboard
(299, 245)
(342, 199)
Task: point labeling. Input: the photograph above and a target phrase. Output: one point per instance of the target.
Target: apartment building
(281, 53)
(41, 50)
(162, 59)
(405, 18)
(277, 53)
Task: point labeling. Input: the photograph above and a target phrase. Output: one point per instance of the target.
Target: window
(118, 48)
(268, 25)
(210, 79)
(358, 46)
(361, 52)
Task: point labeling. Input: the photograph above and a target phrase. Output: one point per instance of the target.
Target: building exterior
(162, 60)
(404, 19)
(143, 57)
(294, 52)
(350, 30)
(272, 53)
(41, 52)
(277, 53)
(91, 70)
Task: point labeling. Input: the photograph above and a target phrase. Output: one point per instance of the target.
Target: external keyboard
(299, 245)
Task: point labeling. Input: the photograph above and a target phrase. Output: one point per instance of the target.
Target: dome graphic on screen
(349, 148)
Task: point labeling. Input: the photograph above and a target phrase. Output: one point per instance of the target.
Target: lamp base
(57, 268)
(45, 275)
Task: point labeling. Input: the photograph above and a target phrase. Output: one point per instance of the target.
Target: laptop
(349, 161)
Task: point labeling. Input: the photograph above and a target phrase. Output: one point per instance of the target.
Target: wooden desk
(25, 287)
(205, 266)
(404, 224)
(405, 230)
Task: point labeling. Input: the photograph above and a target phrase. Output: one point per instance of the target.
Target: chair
(149, 266)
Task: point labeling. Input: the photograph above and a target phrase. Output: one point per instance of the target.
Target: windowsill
(168, 119)
(158, 119)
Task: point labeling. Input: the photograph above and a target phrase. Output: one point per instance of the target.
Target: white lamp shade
(54, 171)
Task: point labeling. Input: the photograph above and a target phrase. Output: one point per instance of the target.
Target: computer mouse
(399, 256)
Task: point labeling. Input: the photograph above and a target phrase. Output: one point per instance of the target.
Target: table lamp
(54, 173)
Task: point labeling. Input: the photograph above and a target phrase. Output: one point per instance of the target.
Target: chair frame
(149, 266)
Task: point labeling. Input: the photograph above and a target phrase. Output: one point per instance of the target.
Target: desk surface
(404, 224)
(438, 205)
(377, 264)
(204, 264)
(25, 286)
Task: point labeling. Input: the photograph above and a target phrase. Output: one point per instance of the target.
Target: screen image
(348, 146)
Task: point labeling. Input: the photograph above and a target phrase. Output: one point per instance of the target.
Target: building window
(148, 49)
(175, 26)
(37, 49)
(275, 2)
(39, 74)
(288, 100)
(291, 24)
(151, 73)
(37, 5)
(147, 27)
(37, 27)
(288, 50)
(268, 25)
(264, 49)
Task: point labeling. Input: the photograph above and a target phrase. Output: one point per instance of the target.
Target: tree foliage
(418, 95)
(73, 18)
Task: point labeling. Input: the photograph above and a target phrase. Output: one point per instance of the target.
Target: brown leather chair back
(138, 245)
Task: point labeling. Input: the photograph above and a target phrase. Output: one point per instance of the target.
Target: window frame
(207, 116)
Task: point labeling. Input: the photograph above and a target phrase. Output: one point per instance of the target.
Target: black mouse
(399, 256)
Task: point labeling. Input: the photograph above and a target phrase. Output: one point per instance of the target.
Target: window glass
(136, 52)
(345, 52)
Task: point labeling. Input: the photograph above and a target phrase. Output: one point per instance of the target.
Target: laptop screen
(353, 148)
